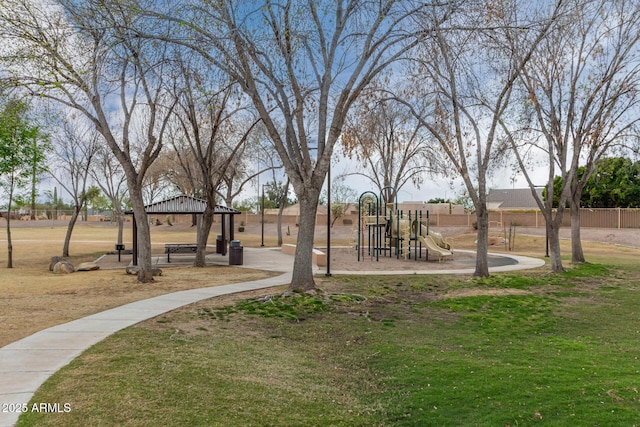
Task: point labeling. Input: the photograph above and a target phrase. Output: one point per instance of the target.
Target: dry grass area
(597, 244)
(32, 298)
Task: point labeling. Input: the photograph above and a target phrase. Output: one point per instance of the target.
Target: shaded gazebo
(185, 205)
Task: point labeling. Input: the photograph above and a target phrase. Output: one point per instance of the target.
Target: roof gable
(516, 198)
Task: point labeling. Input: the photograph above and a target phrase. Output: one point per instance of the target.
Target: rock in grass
(54, 260)
(134, 269)
(87, 266)
(63, 267)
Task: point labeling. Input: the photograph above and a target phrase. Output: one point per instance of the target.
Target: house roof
(184, 204)
(516, 198)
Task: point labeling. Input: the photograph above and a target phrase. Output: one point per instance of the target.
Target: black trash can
(219, 244)
(235, 253)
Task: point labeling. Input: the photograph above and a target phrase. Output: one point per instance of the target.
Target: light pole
(328, 273)
(262, 211)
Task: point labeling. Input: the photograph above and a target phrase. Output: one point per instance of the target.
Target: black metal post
(135, 240)
(328, 273)
(546, 232)
(224, 236)
(262, 209)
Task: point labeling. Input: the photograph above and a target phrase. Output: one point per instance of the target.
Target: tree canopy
(615, 183)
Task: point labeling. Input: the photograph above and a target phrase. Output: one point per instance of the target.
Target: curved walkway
(28, 363)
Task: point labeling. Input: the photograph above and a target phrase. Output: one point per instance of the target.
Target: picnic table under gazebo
(185, 205)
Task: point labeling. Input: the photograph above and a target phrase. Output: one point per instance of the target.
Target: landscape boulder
(54, 260)
(134, 269)
(87, 266)
(63, 267)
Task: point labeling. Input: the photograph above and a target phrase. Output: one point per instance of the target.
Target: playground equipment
(384, 229)
(435, 242)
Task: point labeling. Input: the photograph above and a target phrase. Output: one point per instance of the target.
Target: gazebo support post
(224, 236)
(135, 242)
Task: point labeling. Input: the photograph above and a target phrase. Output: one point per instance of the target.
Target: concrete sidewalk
(28, 363)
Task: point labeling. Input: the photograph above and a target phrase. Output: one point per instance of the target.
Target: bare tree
(108, 175)
(464, 87)
(391, 144)
(158, 183)
(180, 168)
(214, 128)
(580, 93)
(84, 56)
(256, 157)
(303, 63)
(75, 146)
(342, 197)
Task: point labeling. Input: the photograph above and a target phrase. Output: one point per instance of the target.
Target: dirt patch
(183, 319)
(624, 237)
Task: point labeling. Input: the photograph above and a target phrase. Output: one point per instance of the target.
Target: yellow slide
(438, 239)
(429, 243)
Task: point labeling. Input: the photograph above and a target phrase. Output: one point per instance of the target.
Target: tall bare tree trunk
(553, 232)
(282, 204)
(482, 261)
(303, 273)
(145, 274)
(204, 228)
(577, 254)
(280, 225)
(72, 223)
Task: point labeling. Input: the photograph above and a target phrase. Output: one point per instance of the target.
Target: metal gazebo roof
(184, 204)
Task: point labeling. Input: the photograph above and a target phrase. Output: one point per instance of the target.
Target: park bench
(179, 248)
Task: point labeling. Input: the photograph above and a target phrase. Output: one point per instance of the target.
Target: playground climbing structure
(384, 230)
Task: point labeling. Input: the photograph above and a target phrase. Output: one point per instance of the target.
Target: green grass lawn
(522, 349)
